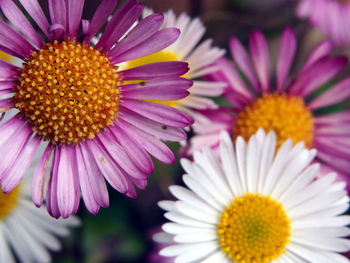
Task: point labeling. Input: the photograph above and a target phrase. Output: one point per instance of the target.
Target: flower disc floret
(254, 228)
(68, 92)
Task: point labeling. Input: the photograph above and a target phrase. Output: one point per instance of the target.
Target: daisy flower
(27, 231)
(284, 106)
(257, 206)
(331, 16)
(200, 58)
(70, 95)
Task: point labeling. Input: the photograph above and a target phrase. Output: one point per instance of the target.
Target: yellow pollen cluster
(160, 56)
(8, 202)
(286, 115)
(68, 92)
(253, 229)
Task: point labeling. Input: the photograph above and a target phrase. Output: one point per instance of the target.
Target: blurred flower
(26, 230)
(199, 57)
(71, 96)
(290, 108)
(331, 16)
(259, 205)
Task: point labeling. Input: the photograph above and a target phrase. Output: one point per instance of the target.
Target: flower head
(289, 106)
(331, 16)
(200, 58)
(259, 205)
(95, 120)
(27, 231)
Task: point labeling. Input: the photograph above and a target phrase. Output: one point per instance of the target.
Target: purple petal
(58, 13)
(66, 194)
(14, 42)
(155, 70)
(136, 153)
(286, 55)
(242, 60)
(167, 89)
(51, 193)
(317, 75)
(75, 10)
(341, 164)
(333, 95)
(142, 31)
(56, 32)
(334, 119)
(152, 127)
(8, 71)
(336, 146)
(95, 177)
(6, 104)
(340, 178)
(121, 21)
(155, 43)
(321, 51)
(86, 188)
(151, 144)
(260, 54)
(100, 17)
(16, 17)
(20, 166)
(34, 10)
(9, 127)
(39, 177)
(108, 168)
(158, 112)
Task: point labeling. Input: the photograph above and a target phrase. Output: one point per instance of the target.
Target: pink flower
(289, 106)
(331, 16)
(94, 121)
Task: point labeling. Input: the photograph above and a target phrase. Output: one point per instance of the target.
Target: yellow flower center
(286, 115)
(68, 92)
(8, 202)
(161, 56)
(253, 229)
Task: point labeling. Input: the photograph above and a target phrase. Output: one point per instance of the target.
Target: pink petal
(75, 10)
(321, 51)
(260, 54)
(341, 164)
(286, 55)
(51, 192)
(58, 13)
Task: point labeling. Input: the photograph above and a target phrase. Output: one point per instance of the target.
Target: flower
(258, 205)
(331, 16)
(200, 58)
(71, 96)
(26, 230)
(290, 106)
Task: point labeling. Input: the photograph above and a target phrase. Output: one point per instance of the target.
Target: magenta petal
(155, 43)
(334, 119)
(108, 168)
(151, 144)
(335, 146)
(86, 187)
(152, 127)
(321, 51)
(16, 17)
(9, 127)
(58, 13)
(100, 17)
(334, 161)
(155, 70)
(51, 193)
(242, 60)
(34, 10)
(20, 166)
(39, 177)
(167, 89)
(142, 31)
(8, 73)
(121, 21)
(260, 54)
(75, 10)
(118, 154)
(286, 55)
(6, 104)
(66, 194)
(95, 177)
(56, 32)
(158, 112)
(136, 153)
(340, 178)
(14, 42)
(335, 94)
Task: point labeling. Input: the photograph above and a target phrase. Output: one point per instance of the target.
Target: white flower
(257, 206)
(26, 230)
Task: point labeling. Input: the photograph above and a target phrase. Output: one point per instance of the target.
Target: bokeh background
(122, 233)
